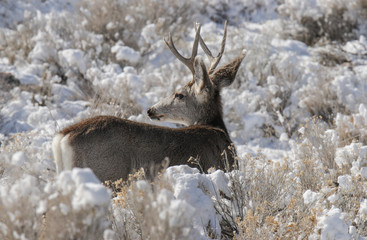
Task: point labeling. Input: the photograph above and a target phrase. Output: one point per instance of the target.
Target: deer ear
(225, 76)
(201, 76)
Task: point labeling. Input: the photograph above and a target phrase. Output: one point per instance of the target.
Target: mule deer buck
(113, 147)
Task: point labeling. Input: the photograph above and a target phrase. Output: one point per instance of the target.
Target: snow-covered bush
(315, 21)
(21, 209)
(315, 154)
(322, 157)
(74, 206)
(139, 24)
(178, 205)
(352, 127)
(65, 60)
(262, 202)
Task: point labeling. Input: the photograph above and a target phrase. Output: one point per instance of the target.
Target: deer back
(114, 147)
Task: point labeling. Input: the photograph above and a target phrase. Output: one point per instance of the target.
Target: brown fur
(114, 147)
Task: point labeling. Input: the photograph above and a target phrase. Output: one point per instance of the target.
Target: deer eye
(179, 96)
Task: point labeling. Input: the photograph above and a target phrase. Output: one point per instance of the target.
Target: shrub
(116, 22)
(264, 202)
(74, 206)
(320, 21)
(351, 128)
(144, 210)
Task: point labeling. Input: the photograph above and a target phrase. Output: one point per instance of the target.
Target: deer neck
(218, 123)
(214, 118)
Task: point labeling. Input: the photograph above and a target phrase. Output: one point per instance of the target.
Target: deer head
(199, 101)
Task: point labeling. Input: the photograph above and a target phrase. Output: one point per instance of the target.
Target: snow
(149, 35)
(333, 198)
(178, 211)
(90, 194)
(333, 226)
(88, 190)
(70, 64)
(220, 182)
(310, 197)
(73, 58)
(42, 52)
(191, 187)
(345, 182)
(301, 130)
(363, 209)
(124, 53)
(290, 46)
(19, 158)
(364, 172)
(108, 234)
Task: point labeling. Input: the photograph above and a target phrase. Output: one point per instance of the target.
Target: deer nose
(150, 112)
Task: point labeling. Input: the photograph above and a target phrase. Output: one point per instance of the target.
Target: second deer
(113, 147)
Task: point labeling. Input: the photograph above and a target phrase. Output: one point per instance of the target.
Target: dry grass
(267, 200)
(331, 56)
(321, 99)
(351, 128)
(266, 197)
(15, 45)
(265, 203)
(318, 144)
(120, 106)
(116, 22)
(281, 82)
(334, 25)
(63, 222)
(278, 76)
(19, 219)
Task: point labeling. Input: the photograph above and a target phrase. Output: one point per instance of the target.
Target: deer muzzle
(152, 113)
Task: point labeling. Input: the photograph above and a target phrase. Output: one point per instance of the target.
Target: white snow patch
(125, 53)
(332, 225)
(19, 158)
(364, 172)
(333, 198)
(363, 209)
(194, 188)
(87, 190)
(73, 58)
(90, 194)
(148, 33)
(220, 182)
(345, 182)
(301, 130)
(310, 197)
(43, 52)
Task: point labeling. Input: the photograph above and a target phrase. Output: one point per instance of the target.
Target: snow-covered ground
(297, 114)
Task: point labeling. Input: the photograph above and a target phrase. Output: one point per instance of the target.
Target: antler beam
(189, 62)
(214, 60)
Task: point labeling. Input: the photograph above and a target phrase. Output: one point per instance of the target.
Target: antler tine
(214, 60)
(189, 62)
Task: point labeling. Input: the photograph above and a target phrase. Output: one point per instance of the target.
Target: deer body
(113, 147)
(120, 146)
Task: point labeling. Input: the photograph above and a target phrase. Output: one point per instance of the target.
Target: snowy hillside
(297, 114)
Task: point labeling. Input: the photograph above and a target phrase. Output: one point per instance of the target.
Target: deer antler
(214, 60)
(189, 62)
